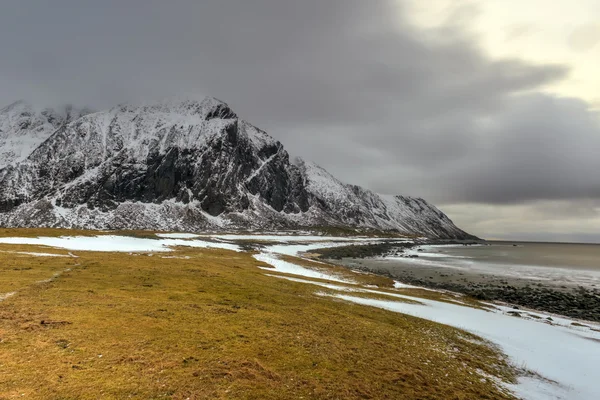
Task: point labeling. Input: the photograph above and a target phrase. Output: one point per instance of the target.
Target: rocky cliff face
(181, 165)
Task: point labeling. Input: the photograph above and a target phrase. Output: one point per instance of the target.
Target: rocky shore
(549, 296)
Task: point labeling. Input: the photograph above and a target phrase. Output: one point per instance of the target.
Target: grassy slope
(214, 326)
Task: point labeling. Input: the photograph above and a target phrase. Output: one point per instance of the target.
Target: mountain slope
(189, 165)
(364, 208)
(23, 128)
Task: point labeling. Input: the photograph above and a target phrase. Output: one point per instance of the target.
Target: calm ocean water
(561, 255)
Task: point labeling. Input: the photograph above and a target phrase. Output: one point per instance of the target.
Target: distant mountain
(179, 165)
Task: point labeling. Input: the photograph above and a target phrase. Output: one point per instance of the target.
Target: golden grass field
(211, 325)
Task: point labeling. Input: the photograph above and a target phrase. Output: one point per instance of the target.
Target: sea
(568, 263)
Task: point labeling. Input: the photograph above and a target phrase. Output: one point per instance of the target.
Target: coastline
(568, 300)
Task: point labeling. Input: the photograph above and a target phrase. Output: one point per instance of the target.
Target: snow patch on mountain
(367, 209)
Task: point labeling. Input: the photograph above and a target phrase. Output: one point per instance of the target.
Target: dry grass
(19, 271)
(384, 284)
(214, 327)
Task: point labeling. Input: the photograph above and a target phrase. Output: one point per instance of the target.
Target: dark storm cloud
(537, 147)
(349, 84)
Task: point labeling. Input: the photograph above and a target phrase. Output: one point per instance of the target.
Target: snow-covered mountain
(179, 165)
(23, 128)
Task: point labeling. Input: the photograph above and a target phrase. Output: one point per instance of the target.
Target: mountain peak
(18, 107)
(16, 104)
(23, 106)
(215, 108)
(206, 108)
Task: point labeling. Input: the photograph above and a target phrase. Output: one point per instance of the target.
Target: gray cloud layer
(347, 83)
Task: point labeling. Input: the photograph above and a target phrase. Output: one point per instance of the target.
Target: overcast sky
(484, 107)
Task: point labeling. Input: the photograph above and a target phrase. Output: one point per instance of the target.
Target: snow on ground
(116, 243)
(28, 253)
(271, 256)
(293, 238)
(168, 240)
(92, 243)
(400, 285)
(564, 355)
(178, 257)
(200, 243)
(321, 284)
(297, 249)
(529, 388)
(4, 296)
(558, 352)
(177, 235)
(290, 268)
(547, 317)
(561, 353)
(344, 288)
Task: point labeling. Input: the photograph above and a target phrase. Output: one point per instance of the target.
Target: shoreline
(558, 298)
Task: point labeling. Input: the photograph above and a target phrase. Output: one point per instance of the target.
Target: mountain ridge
(187, 165)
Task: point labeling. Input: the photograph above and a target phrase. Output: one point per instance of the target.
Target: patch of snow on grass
(177, 235)
(293, 269)
(92, 243)
(322, 284)
(293, 238)
(296, 249)
(28, 253)
(344, 288)
(200, 243)
(270, 256)
(547, 318)
(557, 353)
(4, 296)
(400, 285)
(177, 257)
(116, 243)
